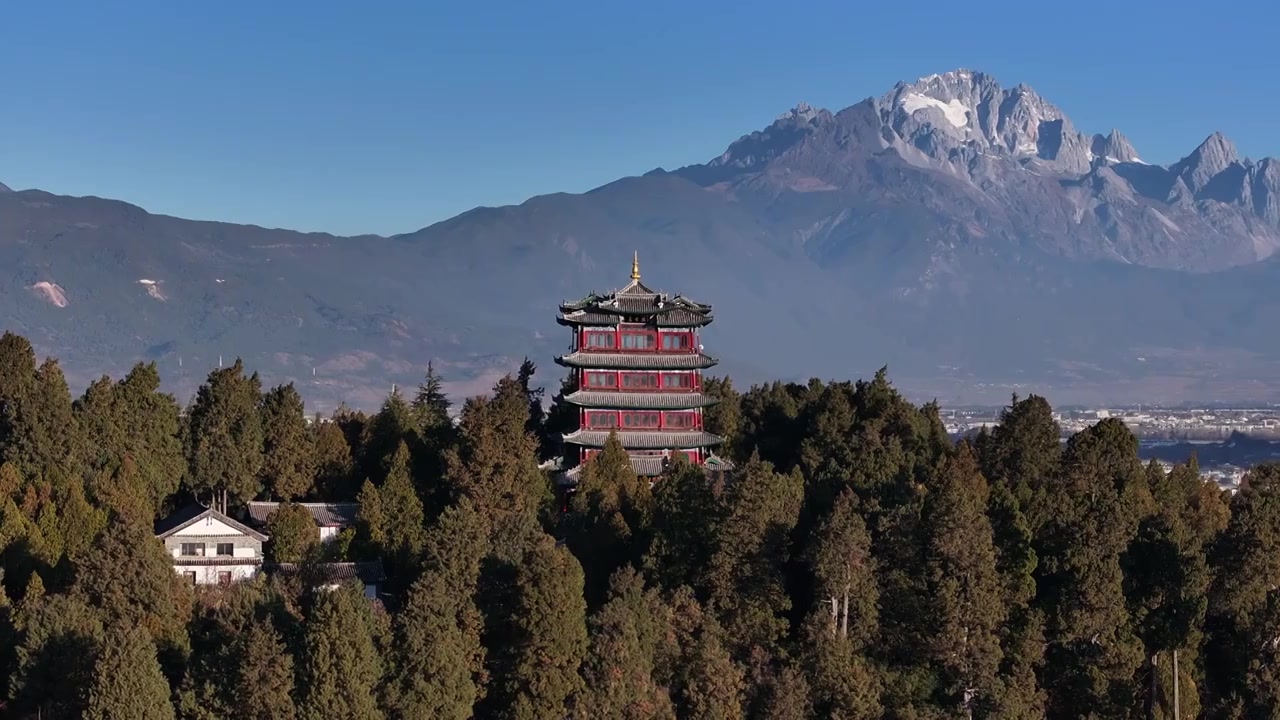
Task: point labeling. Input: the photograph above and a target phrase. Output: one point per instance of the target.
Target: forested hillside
(857, 564)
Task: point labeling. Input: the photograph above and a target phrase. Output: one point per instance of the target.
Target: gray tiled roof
(643, 361)
(648, 466)
(640, 400)
(192, 514)
(643, 465)
(673, 318)
(641, 440)
(366, 572)
(325, 514)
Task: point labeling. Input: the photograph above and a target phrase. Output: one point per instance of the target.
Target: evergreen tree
(288, 460)
(371, 521)
(54, 661)
(561, 419)
(1093, 653)
(127, 682)
(334, 466)
(340, 669)
(264, 675)
(224, 437)
(844, 620)
(534, 396)
(18, 403)
(129, 578)
(1243, 655)
(1024, 449)
(495, 465)
(709, 685)
(132, 423)
(966, 600)
(433, 673)
(609, 516)
(393, 425)
(787, 696)
(745, 577)
(431, 405)
(403, 514)
(293, 534)
(724, 417)
(621, 670)
(549, 636)
(686, 521)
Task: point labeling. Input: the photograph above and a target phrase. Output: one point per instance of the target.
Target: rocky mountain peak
(1214, 155)
(802, 112)
(1113, 148)
(962, 112)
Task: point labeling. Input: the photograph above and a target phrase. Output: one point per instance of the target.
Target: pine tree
(621, 669)
(724, 417)
(127, 682)
(293, 534)
(1093, 653)
(224, 437)
(288, 460)
(549, 636)
(393, 425)
(844, 620)
(533, 395)
(403, 513)
(562, 418)
(18, 401)
(340, 669)
(132, 423)
(129, 578)
(1242, 658)
(495, 465)
(371, 521)
(609, 517)
(965, 594)
(708, 685)
(686, 521)
(430, 404)
(787, 696)
(745, 576)
(54, 661)
(334, 466)
(264, 675)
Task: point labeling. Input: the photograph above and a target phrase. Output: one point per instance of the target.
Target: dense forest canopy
(857, 563)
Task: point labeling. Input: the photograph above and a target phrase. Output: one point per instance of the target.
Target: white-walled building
(209, 548)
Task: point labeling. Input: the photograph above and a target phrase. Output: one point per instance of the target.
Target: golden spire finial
(635, 266)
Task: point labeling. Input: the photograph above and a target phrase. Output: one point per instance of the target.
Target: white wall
(208, 526)
(208, 574)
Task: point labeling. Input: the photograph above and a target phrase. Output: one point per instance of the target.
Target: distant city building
(636, 362)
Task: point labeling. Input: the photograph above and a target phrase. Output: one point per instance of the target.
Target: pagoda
(636, 363)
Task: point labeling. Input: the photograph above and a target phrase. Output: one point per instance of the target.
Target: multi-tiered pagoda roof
(637, 362)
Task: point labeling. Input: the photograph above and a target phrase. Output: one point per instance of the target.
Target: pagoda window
(601, 340)
(597, 379)
(640, 381)
(677, 381)
(641, 420)
(602, 419)
(677, 341)
(639, 340)
(680, 420)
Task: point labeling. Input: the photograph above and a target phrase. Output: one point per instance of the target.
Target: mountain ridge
(964, 233)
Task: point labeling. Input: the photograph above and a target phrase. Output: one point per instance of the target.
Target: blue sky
(384, 117)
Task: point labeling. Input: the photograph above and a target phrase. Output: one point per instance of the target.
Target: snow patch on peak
(51, 292)
(153, 289)
(955, 111)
